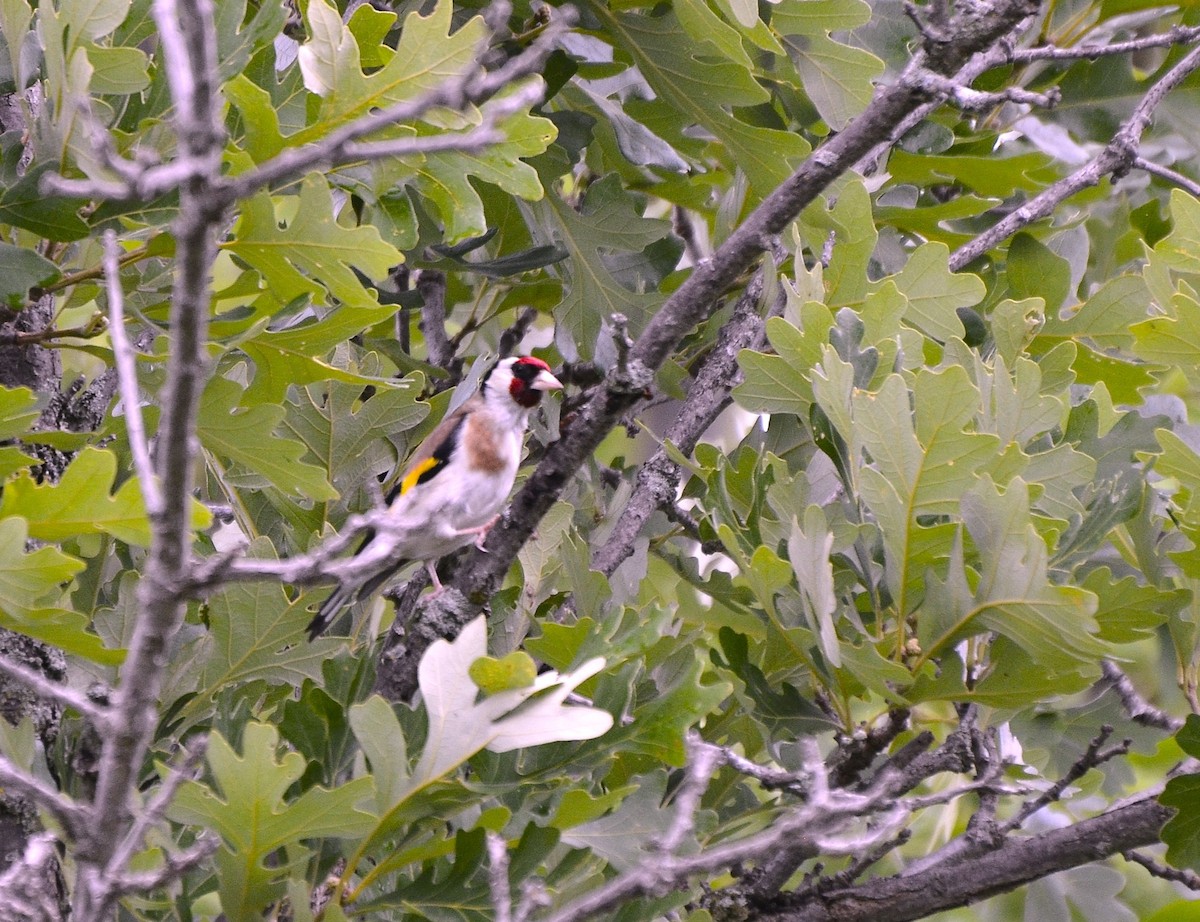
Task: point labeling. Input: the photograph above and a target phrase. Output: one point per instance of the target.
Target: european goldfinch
(457, 481)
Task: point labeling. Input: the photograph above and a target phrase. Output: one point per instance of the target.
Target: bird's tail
(330, 609)
(344, 596)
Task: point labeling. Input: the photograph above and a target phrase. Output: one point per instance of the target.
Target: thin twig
(1176, 35)
(74, 818)
(95, 272)
(456, 93)
(533, 897)
(511, 338)
(774, 778)
(55, 691)
(498, 885)
(658, 478)
(431, 285)
(175, 865)
(1171, 176)
(1092, 757)
(89, 330)
(155, 810)
(971, 100)
(1189, 879)
(859, 866)
(123, 357)
(702, 761)
(1140, 710)
(1115, 159)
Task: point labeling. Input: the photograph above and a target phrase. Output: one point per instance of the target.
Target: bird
(456, 482)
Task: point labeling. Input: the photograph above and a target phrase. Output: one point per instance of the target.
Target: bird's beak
(546, 382)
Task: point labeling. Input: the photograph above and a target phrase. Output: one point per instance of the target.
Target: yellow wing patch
(413, 477)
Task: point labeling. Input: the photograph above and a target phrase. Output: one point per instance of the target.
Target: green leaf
(354, 438)
(491, 675)
(428, 54)
(780, 383)
(818, 17)
(460, 895)
(31, 592)
(623, 837)
(851, 226)
(312, 254)
(935, 294)
(80, 503)
(606, 223)
(1036, 271)
(695, 79)
(382, 740)
(541, 556)
(1173, 340)
(1013, 323)
(1014, 407)
(839, 79)
(296, 356)
(24, 205)
(1012, 594)
(1182, 831)
(255, 633)
(808, 553)
(677, 705)
(988, 175)
(260, 119)
(94, 19)
(248, 807)
(19, 410)
(1104, 318)
(248, 437)
(20, 270)
(919, 466)
(1129, 611)
(444, 178)
(118, 71)
(783, 712)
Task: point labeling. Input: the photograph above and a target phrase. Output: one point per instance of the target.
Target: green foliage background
(973, 487)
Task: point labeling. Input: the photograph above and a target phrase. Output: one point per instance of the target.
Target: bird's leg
(480, 531)
(431, 569)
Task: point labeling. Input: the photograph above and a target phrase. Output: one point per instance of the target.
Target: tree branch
(123, 358)
(1189, 879)
(498, 885)
(709, 394)
(469, 88)
(55, 691)
(691, 303)
(1138, 708)
(431, 286)
(1114, 160)
(1016, 862)
(188, 37)
(1176, 35)
(1171, 176)
(74, 818)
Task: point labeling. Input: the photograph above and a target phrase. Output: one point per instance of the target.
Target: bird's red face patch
(525, 371)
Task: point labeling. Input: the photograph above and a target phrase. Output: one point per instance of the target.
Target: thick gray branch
(978, 27)
(188, 38)
(658, 478)
(1015, 863)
